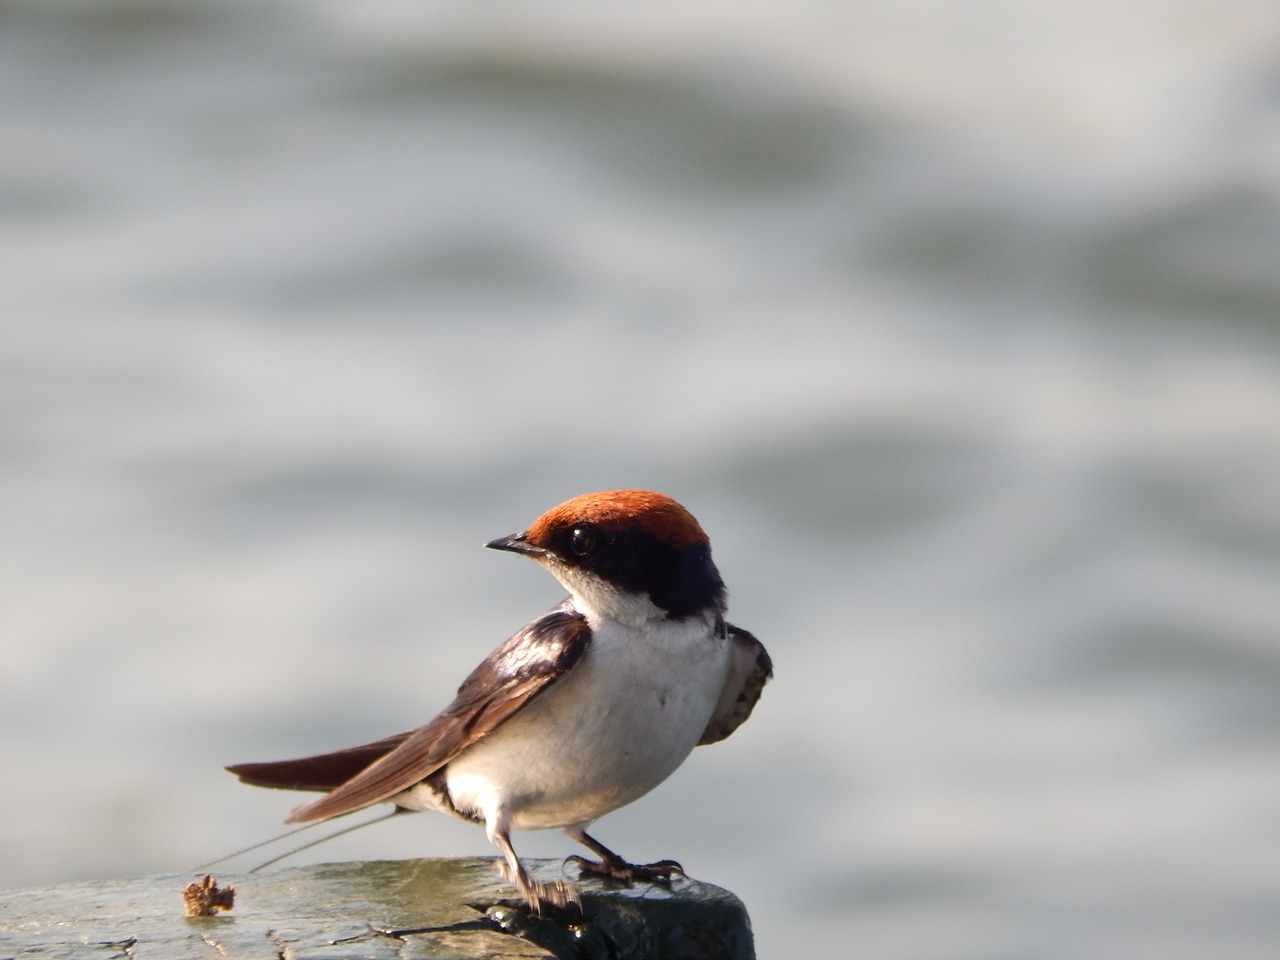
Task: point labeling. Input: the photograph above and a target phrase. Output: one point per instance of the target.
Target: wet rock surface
(402, 909)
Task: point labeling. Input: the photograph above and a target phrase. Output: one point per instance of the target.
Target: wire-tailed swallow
(584, 710)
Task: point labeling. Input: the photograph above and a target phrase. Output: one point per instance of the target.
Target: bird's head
(629, 555)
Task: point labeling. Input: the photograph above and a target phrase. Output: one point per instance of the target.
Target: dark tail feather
(289, 833)
(328, 836)
(252, 847)
(322, 772)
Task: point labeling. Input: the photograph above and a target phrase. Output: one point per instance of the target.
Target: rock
(398, 910)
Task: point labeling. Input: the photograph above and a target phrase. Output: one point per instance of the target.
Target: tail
(322, 772)
(299, 849)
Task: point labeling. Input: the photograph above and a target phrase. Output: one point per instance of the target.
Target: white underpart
(618, 725)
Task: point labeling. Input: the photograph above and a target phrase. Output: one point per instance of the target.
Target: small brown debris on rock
(205, 898)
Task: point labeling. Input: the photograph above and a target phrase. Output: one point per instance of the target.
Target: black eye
(582, 539)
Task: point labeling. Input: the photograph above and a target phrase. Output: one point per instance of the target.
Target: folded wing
(749, 670)
(516, 672)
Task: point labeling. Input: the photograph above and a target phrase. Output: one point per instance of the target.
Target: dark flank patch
(438, 784)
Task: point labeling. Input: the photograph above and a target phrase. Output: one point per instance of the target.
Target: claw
(557, 893)
(617, 869)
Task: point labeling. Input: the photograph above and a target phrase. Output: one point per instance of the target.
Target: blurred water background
(957, 325)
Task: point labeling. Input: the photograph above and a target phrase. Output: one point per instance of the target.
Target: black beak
(516, 543)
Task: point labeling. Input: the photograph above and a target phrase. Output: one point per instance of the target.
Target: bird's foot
(557, 893)
(618, 870)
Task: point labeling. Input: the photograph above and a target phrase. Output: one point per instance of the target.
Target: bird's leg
(537, 895)
(613, 867)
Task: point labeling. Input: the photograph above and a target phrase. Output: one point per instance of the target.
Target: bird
(584, 710)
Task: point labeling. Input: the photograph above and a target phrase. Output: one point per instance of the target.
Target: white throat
(599, 600)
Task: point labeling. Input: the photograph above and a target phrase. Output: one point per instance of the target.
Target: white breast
(618, 725)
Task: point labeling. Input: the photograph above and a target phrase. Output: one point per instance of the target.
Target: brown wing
(749, 670)
(516, 672)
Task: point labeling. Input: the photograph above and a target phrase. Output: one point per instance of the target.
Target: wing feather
(517, 671)
(749, 670)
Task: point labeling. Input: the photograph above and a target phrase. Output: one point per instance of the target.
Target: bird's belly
(608, 733)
